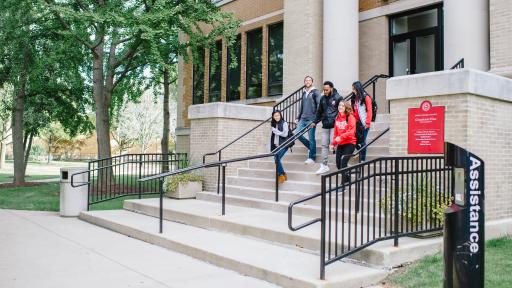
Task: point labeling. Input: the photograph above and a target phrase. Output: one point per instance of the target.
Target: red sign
(426, 129)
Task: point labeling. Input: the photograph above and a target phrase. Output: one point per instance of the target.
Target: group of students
(339, 119)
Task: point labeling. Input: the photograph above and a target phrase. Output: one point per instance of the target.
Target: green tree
(5, 120)
(46, 72)
(122, 37)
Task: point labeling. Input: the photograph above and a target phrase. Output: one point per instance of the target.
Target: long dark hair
(360, 93)
(273, 122)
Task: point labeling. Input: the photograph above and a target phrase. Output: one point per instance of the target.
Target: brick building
(281, 41)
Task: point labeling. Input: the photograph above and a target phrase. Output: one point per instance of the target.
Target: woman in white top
(278, 137)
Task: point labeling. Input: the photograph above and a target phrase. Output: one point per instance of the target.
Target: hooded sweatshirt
(345, 130)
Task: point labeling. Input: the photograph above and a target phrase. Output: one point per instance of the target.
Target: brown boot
(281, 179)
(285, 177)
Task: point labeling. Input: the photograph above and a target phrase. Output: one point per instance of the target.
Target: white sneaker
(323, 168)
(309, 161)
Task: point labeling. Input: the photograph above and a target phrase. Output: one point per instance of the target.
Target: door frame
(436, 31)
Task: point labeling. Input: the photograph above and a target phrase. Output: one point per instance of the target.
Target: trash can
(73, 200)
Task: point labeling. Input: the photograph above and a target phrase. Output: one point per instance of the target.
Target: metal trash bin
(73, 200)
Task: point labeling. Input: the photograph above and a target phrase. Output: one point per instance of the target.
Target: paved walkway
(41, 249)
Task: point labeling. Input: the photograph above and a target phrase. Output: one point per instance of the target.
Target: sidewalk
(41, 249)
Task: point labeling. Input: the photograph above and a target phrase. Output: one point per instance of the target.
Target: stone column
(341, 43)
(302, 43)
(466, 33)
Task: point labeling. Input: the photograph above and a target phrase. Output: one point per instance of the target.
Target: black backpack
(359, 132)
(375, 108)
(290, 135)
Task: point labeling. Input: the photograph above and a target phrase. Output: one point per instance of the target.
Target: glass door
(416, 41)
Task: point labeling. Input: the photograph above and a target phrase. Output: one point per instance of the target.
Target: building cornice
(449, 82)
(395, 7)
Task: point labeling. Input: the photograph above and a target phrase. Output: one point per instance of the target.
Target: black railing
(381, 199)
(289, 108)
(372, 81)
(222, 166)
(459, 64)
(117, 176)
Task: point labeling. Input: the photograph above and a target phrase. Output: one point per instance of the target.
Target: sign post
(426, 129)
(464, 237)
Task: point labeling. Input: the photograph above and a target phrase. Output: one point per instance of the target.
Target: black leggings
(346, 149)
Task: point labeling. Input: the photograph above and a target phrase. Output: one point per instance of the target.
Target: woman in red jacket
(362, 107)
(344, 138)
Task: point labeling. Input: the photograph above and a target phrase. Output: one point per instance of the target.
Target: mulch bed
(24, 184)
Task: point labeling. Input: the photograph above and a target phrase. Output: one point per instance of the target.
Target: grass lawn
(4, 177)
(46, 198)
(428, 272)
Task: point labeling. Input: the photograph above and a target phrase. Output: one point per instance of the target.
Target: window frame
(436, 31)
(275, 83)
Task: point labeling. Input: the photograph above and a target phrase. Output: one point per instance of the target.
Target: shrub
(171, 183)
(434, 201)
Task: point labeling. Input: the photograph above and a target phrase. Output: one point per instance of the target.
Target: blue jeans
(311, 143)
(362, 156)
(279, 155)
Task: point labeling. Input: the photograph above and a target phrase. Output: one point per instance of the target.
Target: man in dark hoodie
(327, 112)
(307, 113)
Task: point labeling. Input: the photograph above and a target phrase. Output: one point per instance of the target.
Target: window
(275, 59)
(416, 41)
(215, 72)
(198, 79)
(253, 70)
(233, 79)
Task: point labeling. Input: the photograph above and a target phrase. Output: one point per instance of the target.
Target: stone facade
(478, 106)
(303, 43)
(215, 125)
(501, 36)
(374, 55)
(365, 5)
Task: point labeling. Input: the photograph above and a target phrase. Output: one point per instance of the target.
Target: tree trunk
(102, 106)
(165, 132)
(100, 94)
(27, 150)
(3, 149)
(17, 123)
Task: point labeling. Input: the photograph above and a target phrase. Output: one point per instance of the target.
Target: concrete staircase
(253, 238)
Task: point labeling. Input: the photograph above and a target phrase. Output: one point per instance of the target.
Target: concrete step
(375, 148)
(296, 166)
(307, 209)
(273, 263)
(306, 187)
(271, 226)
(371, 135)
(286, 196)
(288, 165)
(270, 174)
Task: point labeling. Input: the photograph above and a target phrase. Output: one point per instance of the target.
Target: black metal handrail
(223, 164)
(381, 199)
(458, 65)
(371, 81)
(291, 96)
(313, 196)
(289, 108)
(115, 177)
(357, 152)
(286, 111)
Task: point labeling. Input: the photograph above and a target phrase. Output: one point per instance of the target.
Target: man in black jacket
(307, 113)
(327, 112)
